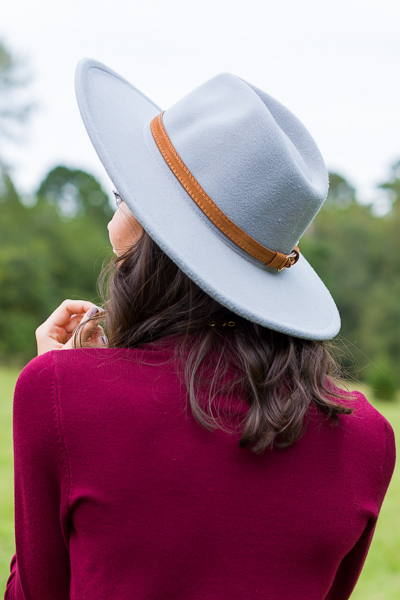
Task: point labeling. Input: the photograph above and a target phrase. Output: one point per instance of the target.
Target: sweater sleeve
(351, 566)
(40, 568)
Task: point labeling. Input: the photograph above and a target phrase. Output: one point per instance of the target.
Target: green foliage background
(54, 244)
(49, 251)
(356, 255)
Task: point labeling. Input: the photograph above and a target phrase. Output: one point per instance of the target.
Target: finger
(88, 329)
(97, 337)
(76, 320)
(61, 316)
(73, 323)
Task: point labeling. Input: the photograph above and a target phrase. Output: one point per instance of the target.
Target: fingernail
(104, 340)
(93, 311)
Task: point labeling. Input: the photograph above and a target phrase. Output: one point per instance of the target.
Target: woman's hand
(56, 333)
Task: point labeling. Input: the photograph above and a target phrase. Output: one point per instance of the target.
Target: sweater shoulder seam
(59, 430)
(385, 466)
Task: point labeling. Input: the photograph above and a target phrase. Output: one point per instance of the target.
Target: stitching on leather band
(272, 259)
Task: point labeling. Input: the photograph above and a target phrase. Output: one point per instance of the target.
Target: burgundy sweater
(121, 495)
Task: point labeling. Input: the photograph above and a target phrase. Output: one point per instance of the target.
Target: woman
(206, 452)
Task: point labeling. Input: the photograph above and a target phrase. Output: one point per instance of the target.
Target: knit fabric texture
(120, 494)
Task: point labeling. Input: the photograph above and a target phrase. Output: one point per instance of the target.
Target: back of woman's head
(148, 298)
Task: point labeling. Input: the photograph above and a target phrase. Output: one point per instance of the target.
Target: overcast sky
(336, 65)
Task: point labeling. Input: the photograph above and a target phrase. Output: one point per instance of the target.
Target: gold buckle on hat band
(275, 260)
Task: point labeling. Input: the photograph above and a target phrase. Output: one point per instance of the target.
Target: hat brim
(117, 117)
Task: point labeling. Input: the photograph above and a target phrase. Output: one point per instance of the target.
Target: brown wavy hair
(147, 297)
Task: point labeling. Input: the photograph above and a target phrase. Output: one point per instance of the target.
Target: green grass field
(7, 383)
(380, 579)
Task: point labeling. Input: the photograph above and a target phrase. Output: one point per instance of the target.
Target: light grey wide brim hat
(252, 157)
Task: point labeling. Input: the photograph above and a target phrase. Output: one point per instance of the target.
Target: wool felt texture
(121, 494)
(255, 160)
(276, 260)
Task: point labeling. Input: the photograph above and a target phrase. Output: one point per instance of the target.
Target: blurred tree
(357, 256)
(341, 194)
(79, 234)
(337, 249)
(381, 333)
(75, 194)
(46, 256)
(17, 285)
(393, 185)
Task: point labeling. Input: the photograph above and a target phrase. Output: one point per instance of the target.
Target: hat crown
(256, 162)
(252, 156)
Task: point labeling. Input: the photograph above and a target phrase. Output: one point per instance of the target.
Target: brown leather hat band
(276, 260)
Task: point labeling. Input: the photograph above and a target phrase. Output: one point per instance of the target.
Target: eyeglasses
(118, 198)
